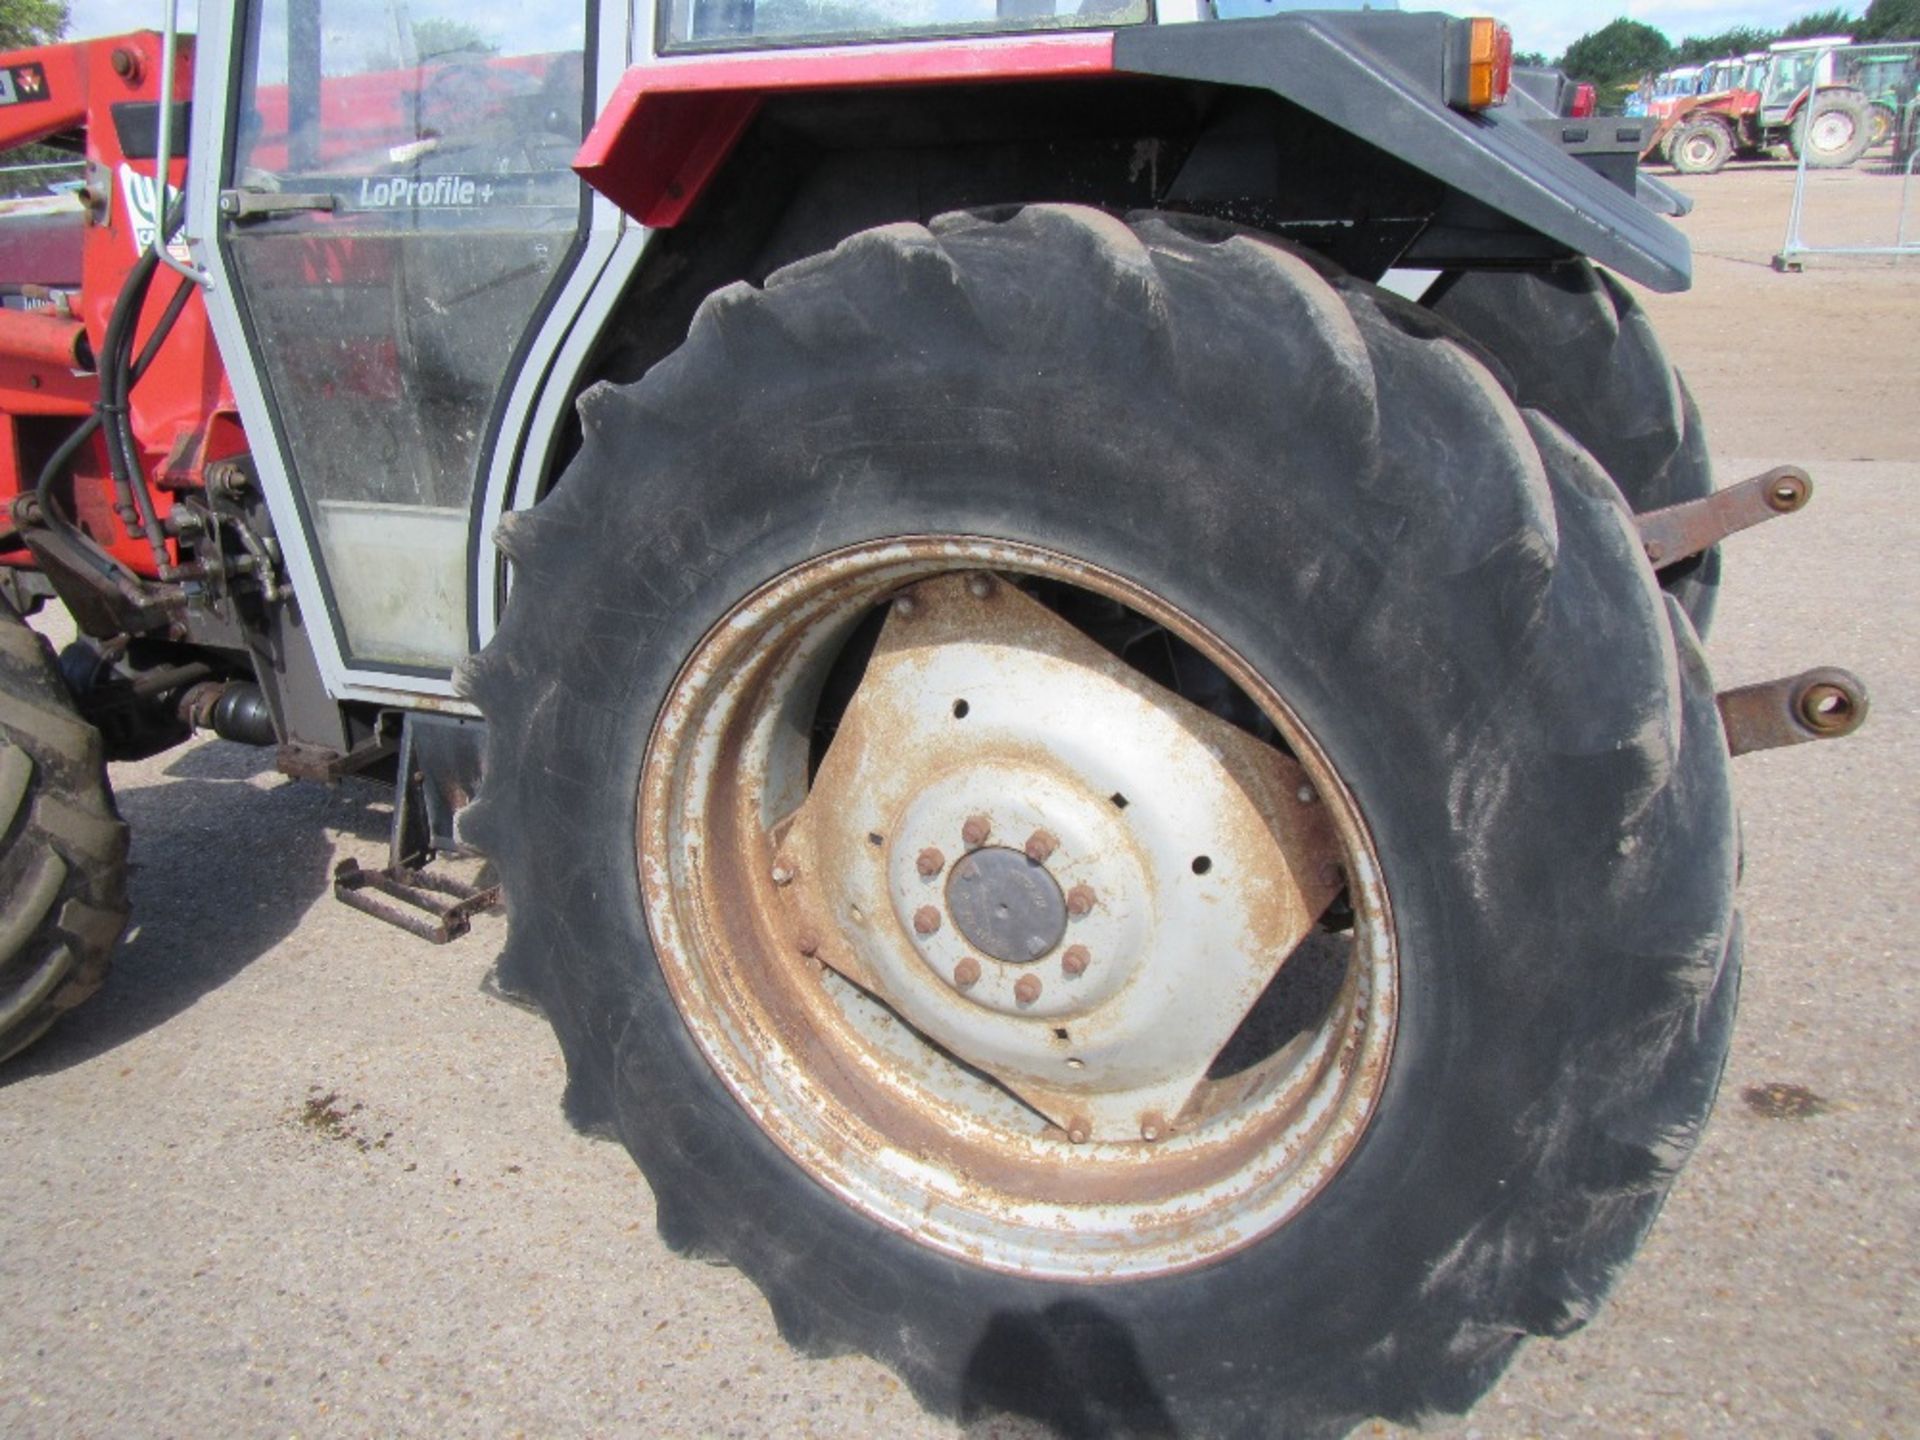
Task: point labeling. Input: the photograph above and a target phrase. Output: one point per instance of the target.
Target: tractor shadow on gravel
(227, 859)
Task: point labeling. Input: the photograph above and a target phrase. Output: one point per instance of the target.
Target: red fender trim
(670, 125)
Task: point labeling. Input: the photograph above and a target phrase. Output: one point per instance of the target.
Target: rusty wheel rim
(969, 983)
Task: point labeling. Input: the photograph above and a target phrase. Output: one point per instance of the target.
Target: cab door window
(401, 207)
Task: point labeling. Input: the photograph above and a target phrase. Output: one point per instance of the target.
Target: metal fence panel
(1885, 80)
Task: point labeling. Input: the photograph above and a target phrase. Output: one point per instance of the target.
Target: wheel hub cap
(1006, 905)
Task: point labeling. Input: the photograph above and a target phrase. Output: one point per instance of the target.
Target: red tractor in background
(1793, 96)
(1073, 632)
(1671, 89)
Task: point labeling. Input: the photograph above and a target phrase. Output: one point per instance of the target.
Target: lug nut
(926, 920)
(1040, 845)
(904, 607)
(1078, 1130)
(976, 830)
(980, 587)
(967, 973)
(807, 942)
(930, 862)
(783, 872)
(1027, 989)
(1075, 960)
(1152, 1126)
(1080, 900)
(1305, 795)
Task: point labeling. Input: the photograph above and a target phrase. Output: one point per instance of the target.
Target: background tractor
(1889, 78)
(1073, 634)
(1799, 95)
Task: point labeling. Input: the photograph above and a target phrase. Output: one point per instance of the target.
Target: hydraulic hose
(111, 418)
(136, 479)
(56, 463)
(127, 584)
(124, 504)
(119, 374)
(122, 445)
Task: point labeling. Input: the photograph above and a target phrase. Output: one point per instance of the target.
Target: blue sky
(1545, 25)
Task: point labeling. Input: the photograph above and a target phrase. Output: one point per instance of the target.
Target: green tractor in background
(1889, 80)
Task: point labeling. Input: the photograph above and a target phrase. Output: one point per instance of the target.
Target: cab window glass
(740, 24)
(420, 158)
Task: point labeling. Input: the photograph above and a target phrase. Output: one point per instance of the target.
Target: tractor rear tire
(1575, 345)
(1327, 495)
(63, 847)
(1841, 130)
(1701, 147)
(1881, 122)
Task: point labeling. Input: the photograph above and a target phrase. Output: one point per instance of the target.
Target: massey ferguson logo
(22, 83)
(442, 192)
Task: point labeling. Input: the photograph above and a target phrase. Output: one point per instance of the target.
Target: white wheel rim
(1832, 130)
(817, 955)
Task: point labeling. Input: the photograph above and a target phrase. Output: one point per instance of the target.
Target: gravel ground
(294, 1174)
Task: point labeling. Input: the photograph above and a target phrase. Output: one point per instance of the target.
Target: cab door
(396, 214)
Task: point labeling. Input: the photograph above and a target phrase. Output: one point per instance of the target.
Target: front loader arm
(44, 92)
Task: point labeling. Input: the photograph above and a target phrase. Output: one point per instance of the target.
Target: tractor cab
(1672, 89)
(1721, 76)
(1795, 66)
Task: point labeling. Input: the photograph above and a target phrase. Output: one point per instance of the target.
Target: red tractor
(1793, 97)
(1125, 818)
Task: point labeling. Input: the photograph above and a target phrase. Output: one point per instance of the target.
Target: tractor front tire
(1881, 122)
(63, 847)
(1573, 344)
(1701, 147)
(985, 549)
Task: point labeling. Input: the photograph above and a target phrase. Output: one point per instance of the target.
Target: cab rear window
(751, 24)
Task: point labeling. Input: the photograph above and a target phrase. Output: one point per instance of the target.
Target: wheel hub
(1006, 905)
(1200, 854)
